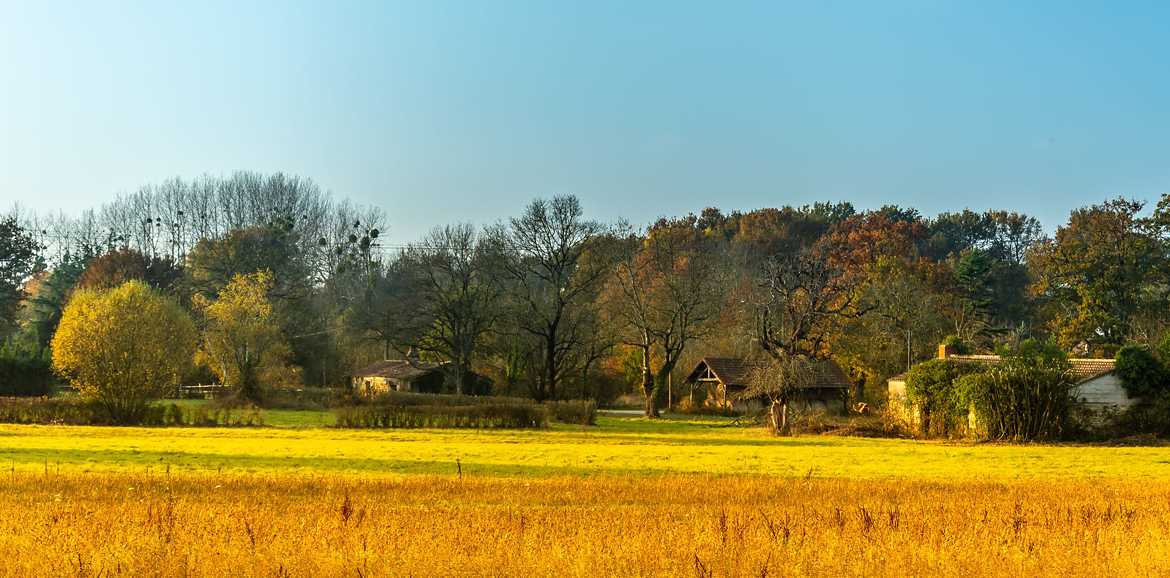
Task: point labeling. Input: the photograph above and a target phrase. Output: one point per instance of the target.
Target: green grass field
(296, 442)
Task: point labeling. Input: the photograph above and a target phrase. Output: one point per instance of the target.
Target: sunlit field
(335, 525)
(700, 497)
(617, 446)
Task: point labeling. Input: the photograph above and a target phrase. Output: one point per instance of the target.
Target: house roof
(737, 372)
(1082, 369)
(396, 369)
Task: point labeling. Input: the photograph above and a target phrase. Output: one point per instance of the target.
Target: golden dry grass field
(331, 525)
(628, 497)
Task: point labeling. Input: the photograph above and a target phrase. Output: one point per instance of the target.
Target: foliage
(123, 347)
(804, 298)
(1149, 416)
(404, 409)
(19, 259)
(306, 398)
(954, 343)
(1026, 397)
(1163, 349)
(540, 302)
(552, 284)
(494, 415)
(931, 386)
(115, 268)
(1094, 273)
(664, 294)
(406, 398)
(47, 298)
(78, 411)
(905, 319)
(1142, 374)
(577, 411)
(242, 342)
(24, 373)
(778, 379)
(454, 299)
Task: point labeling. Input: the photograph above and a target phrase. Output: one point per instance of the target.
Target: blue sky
(450, 111)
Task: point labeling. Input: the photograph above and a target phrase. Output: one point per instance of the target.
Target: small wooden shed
(724, 380)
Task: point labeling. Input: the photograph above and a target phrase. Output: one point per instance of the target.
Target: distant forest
(553, 304)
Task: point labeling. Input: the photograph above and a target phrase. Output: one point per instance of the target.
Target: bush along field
(412, 410)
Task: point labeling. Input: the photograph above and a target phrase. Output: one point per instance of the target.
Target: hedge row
(421, 410)
(576, 412)
(75, 411)
(500, 415)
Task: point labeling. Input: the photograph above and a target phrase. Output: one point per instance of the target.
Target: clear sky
(445, 111)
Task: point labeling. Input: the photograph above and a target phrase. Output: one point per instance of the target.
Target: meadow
(616, 446)
(76, 524)
(680, 496)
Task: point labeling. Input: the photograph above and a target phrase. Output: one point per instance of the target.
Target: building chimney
(945, 351)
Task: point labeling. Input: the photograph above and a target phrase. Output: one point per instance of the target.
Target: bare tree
(804, 299)
(553, 282)
(665, 293)
(452, 272)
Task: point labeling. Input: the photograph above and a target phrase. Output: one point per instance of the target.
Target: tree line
(553, 304)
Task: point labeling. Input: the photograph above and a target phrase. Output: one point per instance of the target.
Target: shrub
(80, 411)
(22, 374)
(930, 386)
(405, 409)
(122, 347)
(1162, 350)
(578, 411)
(242, 342)
(955, 344)
(44, 411)
(1142, 374)
(1028, 396)
(405, 398)
(308, 398)
(499, 415)
(1150, 416)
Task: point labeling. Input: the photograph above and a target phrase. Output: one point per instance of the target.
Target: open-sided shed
(724, 380)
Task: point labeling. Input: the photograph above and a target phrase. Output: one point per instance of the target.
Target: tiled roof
(396, 369)
(737, 372)
(1086, 369)
(1083, 369)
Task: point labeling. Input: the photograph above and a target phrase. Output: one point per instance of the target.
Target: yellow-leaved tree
(242, 341)
(123, 347)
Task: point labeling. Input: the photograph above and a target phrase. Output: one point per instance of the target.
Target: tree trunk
(249, 386)
(648, 384)
(550, 361)
(661, 380)
(778, 416)
(460, 372)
